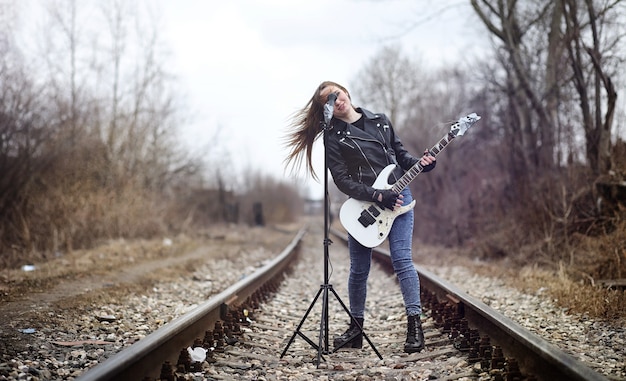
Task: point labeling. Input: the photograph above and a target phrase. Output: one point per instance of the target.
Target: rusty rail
(144, 358)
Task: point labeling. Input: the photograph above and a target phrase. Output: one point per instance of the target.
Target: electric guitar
(367, 222)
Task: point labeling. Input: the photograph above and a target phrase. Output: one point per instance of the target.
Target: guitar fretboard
(415, 170)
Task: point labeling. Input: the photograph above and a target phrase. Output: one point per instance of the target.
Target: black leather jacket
(356, 157)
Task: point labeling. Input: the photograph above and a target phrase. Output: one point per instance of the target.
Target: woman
(360, 144)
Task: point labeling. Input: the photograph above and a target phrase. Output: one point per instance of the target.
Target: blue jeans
(400, 241)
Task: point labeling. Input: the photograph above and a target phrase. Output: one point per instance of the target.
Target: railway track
(245, 331)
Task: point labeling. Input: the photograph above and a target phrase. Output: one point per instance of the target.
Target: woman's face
(343, 105)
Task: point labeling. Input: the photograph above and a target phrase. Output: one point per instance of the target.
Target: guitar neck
(415, 170)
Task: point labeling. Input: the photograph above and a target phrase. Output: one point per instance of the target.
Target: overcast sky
(246, 66)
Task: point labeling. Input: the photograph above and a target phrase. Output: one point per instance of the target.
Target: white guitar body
(374, 234)
(370, 224)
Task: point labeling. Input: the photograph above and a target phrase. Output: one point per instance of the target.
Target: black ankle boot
(414, 336)
(352, 338)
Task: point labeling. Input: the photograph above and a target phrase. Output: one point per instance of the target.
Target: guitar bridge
(368, 216)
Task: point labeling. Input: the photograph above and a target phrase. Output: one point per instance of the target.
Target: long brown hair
(306, 125)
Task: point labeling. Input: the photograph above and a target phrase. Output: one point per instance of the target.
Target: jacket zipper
(365, 157)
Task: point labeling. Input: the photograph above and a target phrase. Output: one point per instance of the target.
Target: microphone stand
(322, 345)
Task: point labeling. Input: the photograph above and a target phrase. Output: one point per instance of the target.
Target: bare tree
(94, 124)
(144, 111)
(23, 136)
(531, 81)
(392, 83)
(548, 48)
(67, 62)
(589, 56)
(553, 92)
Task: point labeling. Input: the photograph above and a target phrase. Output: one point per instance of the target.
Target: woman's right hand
(386, 198)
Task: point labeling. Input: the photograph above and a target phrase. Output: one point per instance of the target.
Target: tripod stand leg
(323, 333)
(298, 332)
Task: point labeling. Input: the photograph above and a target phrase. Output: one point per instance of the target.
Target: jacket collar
(343, 126)
(368, 114)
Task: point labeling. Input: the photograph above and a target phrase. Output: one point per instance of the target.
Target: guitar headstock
(464, 123)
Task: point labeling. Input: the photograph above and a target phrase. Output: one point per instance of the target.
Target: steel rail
(534, 355)
(144, 358)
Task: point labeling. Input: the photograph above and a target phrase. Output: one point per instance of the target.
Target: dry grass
(567, 256)
(578, 297)
(569, 276)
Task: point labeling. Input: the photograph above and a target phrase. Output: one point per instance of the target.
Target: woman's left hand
(428, 161)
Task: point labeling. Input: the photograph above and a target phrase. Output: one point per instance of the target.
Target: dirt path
(91, 282)
(82, 279)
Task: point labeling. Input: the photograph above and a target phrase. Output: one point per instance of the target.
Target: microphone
(329, 107)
